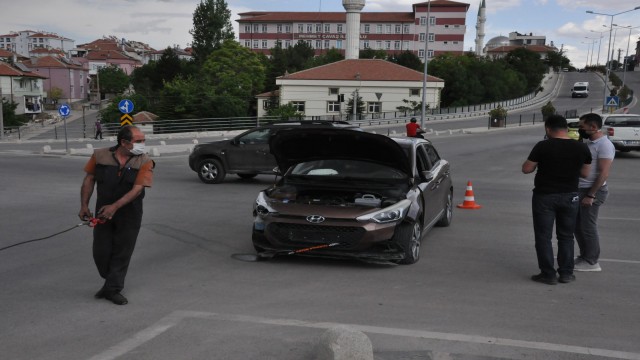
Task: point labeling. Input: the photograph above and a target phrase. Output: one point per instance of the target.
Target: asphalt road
(469, 297)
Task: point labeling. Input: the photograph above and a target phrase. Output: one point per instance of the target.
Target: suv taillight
(609, 131)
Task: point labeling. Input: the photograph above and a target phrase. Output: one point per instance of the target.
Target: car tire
(408, 237)
(247, 176)
(211, 171)
(447, 216)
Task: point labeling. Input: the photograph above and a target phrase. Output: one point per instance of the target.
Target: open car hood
(293, 146)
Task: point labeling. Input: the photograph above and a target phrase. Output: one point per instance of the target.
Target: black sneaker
(567, 278)
(545, 279)
(116, 298)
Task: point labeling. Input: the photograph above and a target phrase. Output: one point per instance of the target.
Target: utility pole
(1, 116)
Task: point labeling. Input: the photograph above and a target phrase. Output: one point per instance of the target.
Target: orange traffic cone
(469, 201)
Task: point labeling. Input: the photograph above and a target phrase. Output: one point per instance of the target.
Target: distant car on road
(247, 154)
(368, 196)
(623, 130)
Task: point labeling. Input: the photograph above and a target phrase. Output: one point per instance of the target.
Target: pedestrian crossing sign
(613, 101)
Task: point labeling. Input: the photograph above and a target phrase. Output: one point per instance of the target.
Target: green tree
(360, 106)
(145, 80)
(332, 55)
(169, 65)
(529, 64)
(410, 60)
(55, 94)
(411, 106)
(9, 116)
(211, 27)
(547, 110)
(113, 80)
(299, 57)
(373, 54)
(285, 112)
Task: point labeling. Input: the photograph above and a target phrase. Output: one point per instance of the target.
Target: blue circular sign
(64, 110)
(125, 106)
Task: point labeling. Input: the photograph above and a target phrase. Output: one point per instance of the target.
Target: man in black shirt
(560, 162)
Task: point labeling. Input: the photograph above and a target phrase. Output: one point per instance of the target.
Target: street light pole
(604, 101)
(426, 61)
(599, 43)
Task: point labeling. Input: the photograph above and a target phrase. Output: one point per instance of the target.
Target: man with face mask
(593, 192)
(121, 174)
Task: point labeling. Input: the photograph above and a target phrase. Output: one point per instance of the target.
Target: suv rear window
(623, 121)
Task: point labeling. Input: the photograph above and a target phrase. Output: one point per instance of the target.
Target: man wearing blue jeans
(560, 162)
(593, 192)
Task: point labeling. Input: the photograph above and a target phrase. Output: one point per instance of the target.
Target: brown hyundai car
(351, 194)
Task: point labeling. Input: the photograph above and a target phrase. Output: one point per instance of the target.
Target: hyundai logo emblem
(316, 219)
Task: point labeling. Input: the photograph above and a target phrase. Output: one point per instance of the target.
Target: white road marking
(174, 318)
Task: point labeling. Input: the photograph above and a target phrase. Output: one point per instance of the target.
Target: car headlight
(395, 212)
(262, 208)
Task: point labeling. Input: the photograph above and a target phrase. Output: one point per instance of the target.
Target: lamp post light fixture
(626, 57)
(604, 100)
(600, 43)
(592, 43)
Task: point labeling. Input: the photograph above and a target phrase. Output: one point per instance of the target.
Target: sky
(583, 37)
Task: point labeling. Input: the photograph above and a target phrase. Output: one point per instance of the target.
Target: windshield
(580, 88)
(630, 121)
(338, 168)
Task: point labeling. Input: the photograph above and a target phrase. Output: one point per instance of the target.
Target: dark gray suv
(247, 154)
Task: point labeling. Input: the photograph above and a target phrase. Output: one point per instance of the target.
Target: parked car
(573, 128)
(247, 154)
(623, 130)
(372, 196)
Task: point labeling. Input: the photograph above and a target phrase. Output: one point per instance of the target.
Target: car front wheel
(211, 171)
(408, 237)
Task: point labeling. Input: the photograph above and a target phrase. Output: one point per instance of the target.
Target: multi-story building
(392, 32)
(26, 41)
(22, 86)
(62, 73)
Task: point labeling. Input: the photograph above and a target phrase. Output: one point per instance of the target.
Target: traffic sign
(613, 101)
(126, 119)
(125, 106)
(64, 110)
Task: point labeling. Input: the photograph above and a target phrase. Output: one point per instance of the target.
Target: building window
(279, 28)
(432, 37)
(396, 45)
(300, 28)
(309, 28)
(388, 29)
(247, 28)
(338, 44)
(264, 44)
(266, 104)
(264, 28)
(339, 28)
(407, 28)
(256, 27)
(421, 53)
(255, 44)
(318, 44)
(432, 20)
(423, 20)
(365, 44)
(327, 28)
(287, 28)
(327, 44)
(298, 105)
(398, 29)
(333, 106)
(379, 29)
(387, 45)
(374, 107)
(414, 92)
(279, 43)
(287, 44)
(430, 53)
(405, 45)
(378, 44)
(318, 28)
(421, 37)
(247, 43)
(367, 28)
(334, 91)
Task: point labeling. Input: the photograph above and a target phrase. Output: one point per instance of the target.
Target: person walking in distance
(593, 192)
(98, 129)
(120, 174)
(560, 162)
(413, 128)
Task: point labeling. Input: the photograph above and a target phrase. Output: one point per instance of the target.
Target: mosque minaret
(353, 8)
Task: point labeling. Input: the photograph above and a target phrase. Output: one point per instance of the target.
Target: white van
(580, 89)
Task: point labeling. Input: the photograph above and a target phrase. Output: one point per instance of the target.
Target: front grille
(303, 234)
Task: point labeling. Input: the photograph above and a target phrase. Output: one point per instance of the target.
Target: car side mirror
(276, 171)
(427, 175)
